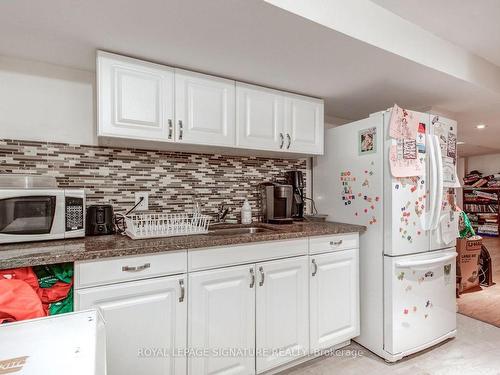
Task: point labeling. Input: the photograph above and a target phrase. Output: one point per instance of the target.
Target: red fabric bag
(18, 301)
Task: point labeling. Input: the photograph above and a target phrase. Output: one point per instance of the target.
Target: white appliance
(32, 208)
(73, 343)
(407, 254)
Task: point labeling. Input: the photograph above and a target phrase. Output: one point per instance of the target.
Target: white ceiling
(248, 40)
(473, 25)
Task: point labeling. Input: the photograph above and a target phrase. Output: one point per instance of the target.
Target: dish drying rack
(141, 226)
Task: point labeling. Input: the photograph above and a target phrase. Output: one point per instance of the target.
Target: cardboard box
(469, 250)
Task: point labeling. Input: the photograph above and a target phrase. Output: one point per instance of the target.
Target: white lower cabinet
(334, 298)
(282, 312)
(222, 319)
(145, 324)
(232, 320)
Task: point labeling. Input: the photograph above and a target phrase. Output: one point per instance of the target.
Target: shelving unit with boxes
(482, 207)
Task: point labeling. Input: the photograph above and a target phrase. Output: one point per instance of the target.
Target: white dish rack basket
(143, 226)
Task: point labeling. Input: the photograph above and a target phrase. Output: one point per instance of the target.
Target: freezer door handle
(426, 262)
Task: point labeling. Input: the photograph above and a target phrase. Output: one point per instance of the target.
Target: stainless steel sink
(235, 231)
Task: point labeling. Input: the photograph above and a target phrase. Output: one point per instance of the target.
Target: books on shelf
(480, 208)
(488, 229)
(481, 200)
(485, 195)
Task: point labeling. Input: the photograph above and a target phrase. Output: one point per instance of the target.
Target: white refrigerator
(407, 254)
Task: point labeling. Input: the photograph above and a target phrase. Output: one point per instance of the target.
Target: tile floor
(475, 350)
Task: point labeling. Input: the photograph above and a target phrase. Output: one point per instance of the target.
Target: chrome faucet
(222, 212)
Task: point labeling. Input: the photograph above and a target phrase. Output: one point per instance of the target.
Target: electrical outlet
(144, 206)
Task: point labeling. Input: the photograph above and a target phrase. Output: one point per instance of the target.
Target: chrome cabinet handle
(282, 138)
(315, 270)
(180, 130)
(261, 270)
(289, 140)
(183, 291)
(336, 243)
(169, 129)
(137, 268)
(252, 278)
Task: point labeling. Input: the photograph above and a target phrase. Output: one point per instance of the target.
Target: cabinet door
(334, 298)
(282, 312)
(222, 318)
(260, 116)
(145, 323)
(204, 109)
(304, 124)
(135, 98)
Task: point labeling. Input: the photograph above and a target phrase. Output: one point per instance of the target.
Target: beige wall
(44, 102)
(487, 164)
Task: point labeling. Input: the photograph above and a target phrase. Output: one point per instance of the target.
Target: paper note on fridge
(404, 124)
(402, 166)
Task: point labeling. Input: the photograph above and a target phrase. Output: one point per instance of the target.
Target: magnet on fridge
(414, 308)
(425, 316)
(405, 311)
(377, 199)
(396, 187)
(401, 275)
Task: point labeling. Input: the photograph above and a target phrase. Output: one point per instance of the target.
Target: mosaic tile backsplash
(174, 180)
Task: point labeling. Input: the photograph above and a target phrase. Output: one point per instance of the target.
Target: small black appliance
(99, 220)
(296, 179)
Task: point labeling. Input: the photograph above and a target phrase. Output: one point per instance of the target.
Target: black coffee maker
(296, 179)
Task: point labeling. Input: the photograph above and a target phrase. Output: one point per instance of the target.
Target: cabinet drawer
(200, 259)
(336, 242)
(116, 270)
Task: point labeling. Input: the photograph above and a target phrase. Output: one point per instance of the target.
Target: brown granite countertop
(57, 251)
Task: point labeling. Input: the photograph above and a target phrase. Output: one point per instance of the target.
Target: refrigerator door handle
(427, 219)
(439, 198)
(426, 262)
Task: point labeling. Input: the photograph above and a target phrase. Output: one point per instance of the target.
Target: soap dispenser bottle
(246, 213)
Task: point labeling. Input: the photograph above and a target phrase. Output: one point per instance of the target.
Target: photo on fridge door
(367, 139)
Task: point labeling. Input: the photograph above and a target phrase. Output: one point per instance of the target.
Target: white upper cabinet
(135, 98)
(204, 109)
(277, 121)
(260, 118)
(152, 102)
(304, 120)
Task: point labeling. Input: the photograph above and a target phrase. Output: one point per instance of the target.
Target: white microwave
(35, 214)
